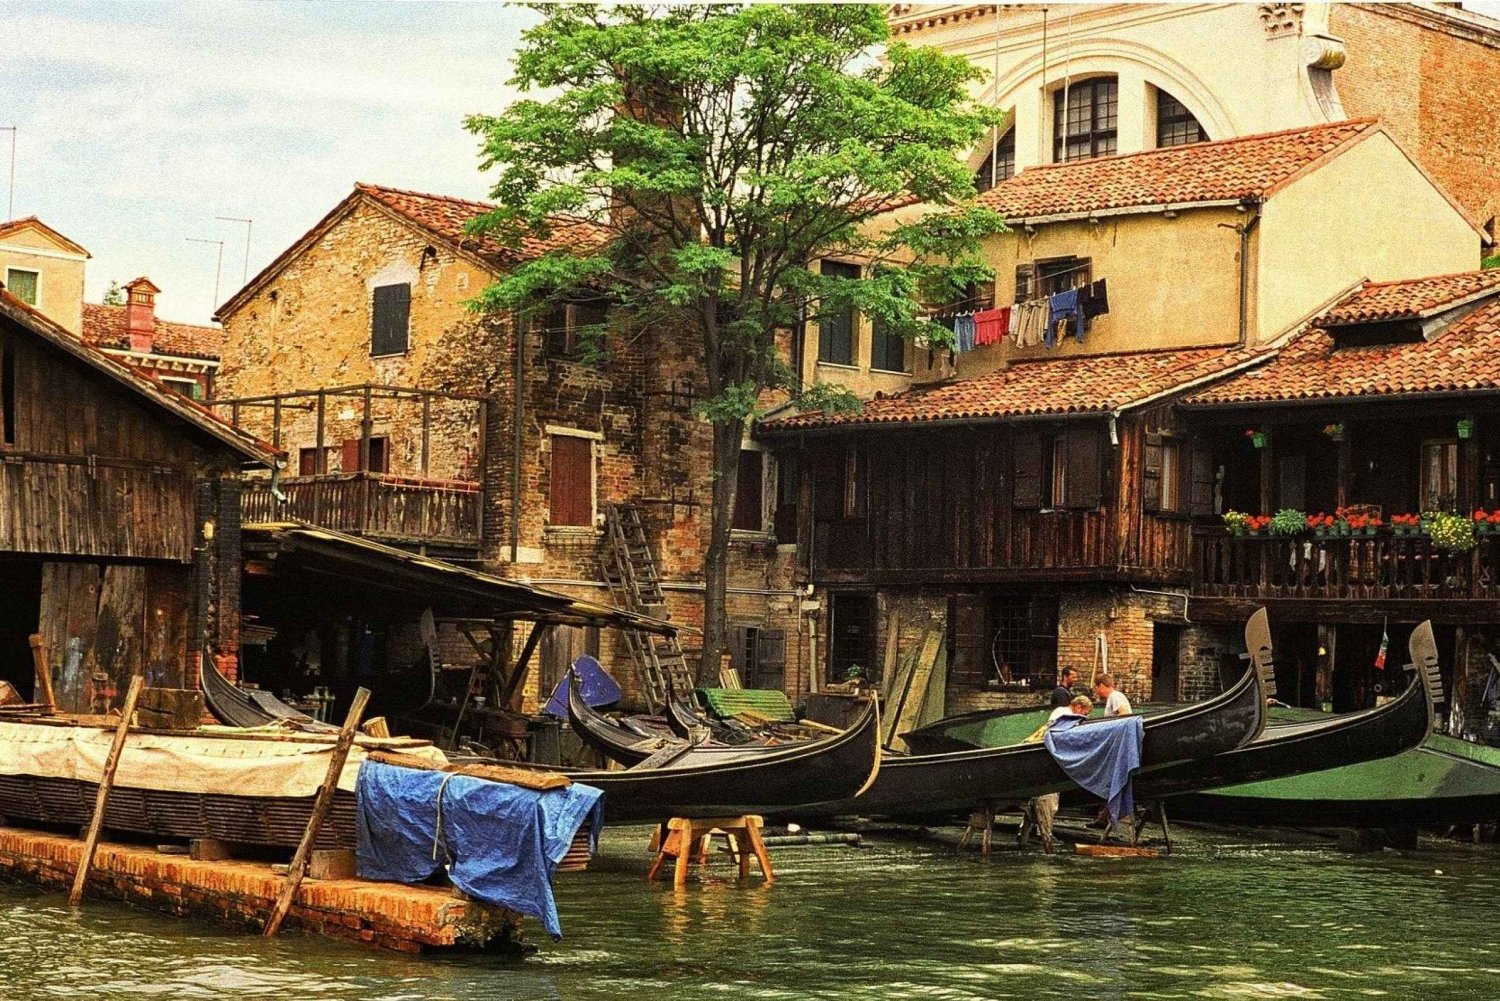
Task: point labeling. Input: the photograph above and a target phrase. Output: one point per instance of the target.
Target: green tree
(727, 149)
(115, 296)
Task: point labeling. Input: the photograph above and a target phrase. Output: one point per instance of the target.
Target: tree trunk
(726, 471)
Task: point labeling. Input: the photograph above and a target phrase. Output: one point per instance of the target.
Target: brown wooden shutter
(748, 500)
(1201, 488)
(1025, 281)
(1083, 482)
(572, 486)
(738, 642)
(1151, 473)
(390, 320)
(770, 656)
(307, 462)
(349, 463)
(1027, 459)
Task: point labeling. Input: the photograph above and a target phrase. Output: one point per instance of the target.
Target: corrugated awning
(444, 586)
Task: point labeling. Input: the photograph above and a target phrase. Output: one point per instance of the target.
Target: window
(788, 487)
(1064, 469)
(887, 349)
(307, 461)
(1043, 278)
(571, 490)
(1175, 124)
(836, 327)
(1439, 475)
(190, 388)
(23, 284)
(851, 635)
(1005, 640)
(1084, 117)
(1059, 471)
(854, 488)
(759, 654)
(1171, 474)
(999, 165)
(390, 320)
(749, 506)
(380, 456)
(1177, 478)
(561, 326)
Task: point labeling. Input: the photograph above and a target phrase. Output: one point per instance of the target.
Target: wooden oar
(322, 805)
(106, 783)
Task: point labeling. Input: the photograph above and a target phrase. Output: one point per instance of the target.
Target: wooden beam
(106, 783)
(43, 671)
(322, 804)
(517, 678)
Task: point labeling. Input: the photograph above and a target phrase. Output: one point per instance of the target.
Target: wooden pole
(43, 672)
(322, 804)
(106, 782)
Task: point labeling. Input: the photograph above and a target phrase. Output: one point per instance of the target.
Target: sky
(140, 123)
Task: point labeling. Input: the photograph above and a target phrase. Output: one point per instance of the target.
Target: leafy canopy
(725, 149)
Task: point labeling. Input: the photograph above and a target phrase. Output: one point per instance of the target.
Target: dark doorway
(20, 616)
(851, 635)
(1296, 657)
(1166, 649)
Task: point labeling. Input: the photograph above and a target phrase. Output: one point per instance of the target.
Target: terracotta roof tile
(1081, 384)
(1410, 300)
(1227, 170)
(447, 217)
(1463, 358)
(105, 327)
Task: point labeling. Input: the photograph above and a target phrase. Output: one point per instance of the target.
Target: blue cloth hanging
(1063, 307)
(1101, 757)
(501, 843)
(963, 332)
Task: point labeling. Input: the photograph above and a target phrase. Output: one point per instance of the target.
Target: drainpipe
(517, 414)
(1244, 229)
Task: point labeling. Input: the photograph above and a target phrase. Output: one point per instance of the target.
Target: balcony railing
(1379, 566)
(384, 507)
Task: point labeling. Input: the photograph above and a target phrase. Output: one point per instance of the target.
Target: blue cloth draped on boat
(1100, 757)
(501, 843)
(598, 688)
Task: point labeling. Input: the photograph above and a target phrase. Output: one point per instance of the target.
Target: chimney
(140, 314)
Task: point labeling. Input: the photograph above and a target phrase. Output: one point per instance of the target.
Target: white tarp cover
(218, 765)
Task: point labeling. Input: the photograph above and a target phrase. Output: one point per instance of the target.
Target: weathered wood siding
(85, 468)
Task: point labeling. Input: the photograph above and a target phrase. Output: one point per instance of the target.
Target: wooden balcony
(1383, 567)
(395, 509)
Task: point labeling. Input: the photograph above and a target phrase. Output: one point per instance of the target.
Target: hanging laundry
(963, 332)
(990, 326)
(1093, 300)
(1031, 326)
(1063, 316)
(1015, 321)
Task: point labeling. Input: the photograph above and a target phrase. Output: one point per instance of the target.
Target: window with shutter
(1084, 481)
(770, 659)
(788, 489)
(1202, 480)
(571, 489)
(1027, 463)
(1171, 476)
(1025, 282)
(1151, 473)
(349, 456)
(854, 485)
(1057, 495)
(749, 493)
(24, 285)
(390, 319)
(836, 327)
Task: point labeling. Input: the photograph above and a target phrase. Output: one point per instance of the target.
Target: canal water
(1224, 917)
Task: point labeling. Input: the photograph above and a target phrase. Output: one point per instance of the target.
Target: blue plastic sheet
(1100, 757)
(500, 843)
(595, 684)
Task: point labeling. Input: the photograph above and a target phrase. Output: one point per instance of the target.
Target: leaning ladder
(630, 570)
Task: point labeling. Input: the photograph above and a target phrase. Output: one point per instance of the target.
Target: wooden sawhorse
(683, 838)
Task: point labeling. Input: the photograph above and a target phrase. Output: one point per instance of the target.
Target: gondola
(249, 707)
(629, 748)
(942, 784)
(685, 722)
(779, 780)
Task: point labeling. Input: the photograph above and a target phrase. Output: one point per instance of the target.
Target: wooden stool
(688, 837)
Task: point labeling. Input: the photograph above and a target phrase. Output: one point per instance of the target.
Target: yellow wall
(60, 287)
(1369, 213)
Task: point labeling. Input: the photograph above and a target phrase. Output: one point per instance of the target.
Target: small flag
(1385, 642)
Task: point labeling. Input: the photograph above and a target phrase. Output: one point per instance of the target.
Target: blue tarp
(598, 688)
(501, 843)
(1100, 757)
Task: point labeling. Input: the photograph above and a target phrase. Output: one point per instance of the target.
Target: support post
(106, 783)
(1268, 471)
(320, 460)
(366, 426)
(322, 805)
(517, 677)
(426, 428)
(276, 422)
(43, 671)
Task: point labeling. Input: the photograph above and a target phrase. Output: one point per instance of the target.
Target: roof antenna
(218, 268)
(245, 274)
(14, 130)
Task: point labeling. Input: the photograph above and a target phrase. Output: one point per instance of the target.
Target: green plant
(1237, 522)
(1452, 533)
(1288, 521)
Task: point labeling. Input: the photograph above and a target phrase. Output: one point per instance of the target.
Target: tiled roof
(1228, 170)
(31, 221)
(1081, 384)
(1463, 358)
(447, 217)
(1410, 300)
(105, 326)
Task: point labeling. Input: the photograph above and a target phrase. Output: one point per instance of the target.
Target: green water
(1222, 918)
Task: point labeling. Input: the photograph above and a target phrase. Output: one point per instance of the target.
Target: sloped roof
(1464, 358)
(1374, 302)
(33, 321)
(1079, 384)
(32, 222)
(1245, 167)
(445, 219)
(105, 326)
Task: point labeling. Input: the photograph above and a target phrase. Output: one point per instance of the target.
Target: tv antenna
(244, 275)
(14, 130)
(218, 268)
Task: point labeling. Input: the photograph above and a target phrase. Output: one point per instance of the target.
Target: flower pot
(1320, 533)
(1466, 427)
(1258, 440)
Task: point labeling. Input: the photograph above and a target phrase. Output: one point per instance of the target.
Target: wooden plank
(106, 783)
(909, 710)
(322, 804)
(43, 672)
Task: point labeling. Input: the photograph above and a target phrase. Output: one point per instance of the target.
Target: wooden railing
(380, 506)
(1380, 566)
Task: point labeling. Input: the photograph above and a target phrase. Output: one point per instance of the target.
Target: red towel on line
(990, 325)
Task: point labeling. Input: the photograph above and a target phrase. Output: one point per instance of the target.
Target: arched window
(1084, 117)
(1000, 164)
(1175, 124)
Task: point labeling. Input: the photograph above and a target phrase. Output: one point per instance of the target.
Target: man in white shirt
(1115, 702)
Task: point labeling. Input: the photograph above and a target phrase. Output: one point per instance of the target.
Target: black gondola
(629, 748)
(779, 780)
(249, 707)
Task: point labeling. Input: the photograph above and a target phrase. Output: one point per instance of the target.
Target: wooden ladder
(630, 570)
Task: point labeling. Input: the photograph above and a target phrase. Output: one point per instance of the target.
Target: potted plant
(1256, 524)
(1288, 521)
(1334, 431)
(1236, 522)
(1257, 438)
(1452, 533)
(1321, 525)
(1405, 524)
(1466, 427)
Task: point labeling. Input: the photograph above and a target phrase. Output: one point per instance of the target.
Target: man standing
(1115, 702)
(1062, 695)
